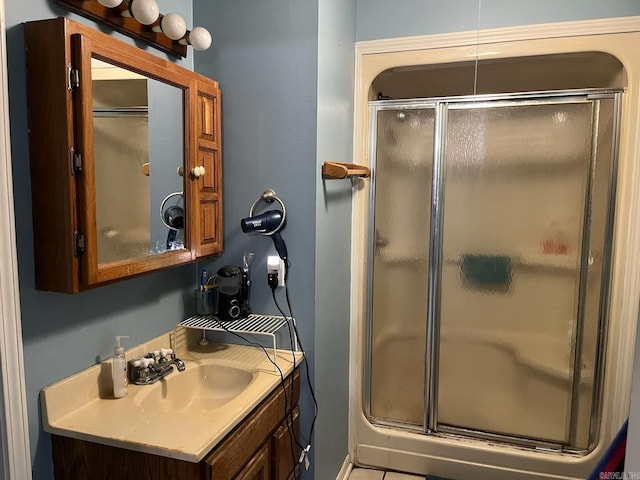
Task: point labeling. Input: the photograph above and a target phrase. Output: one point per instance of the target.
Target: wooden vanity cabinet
(262, 432)
(63, 61)
(256, 449)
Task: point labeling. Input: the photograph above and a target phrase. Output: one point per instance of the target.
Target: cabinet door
(259, 468)
(115, 198)
(282, 448)
(207, 186)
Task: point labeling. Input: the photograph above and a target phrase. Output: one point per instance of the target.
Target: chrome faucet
(154, 366)
(178, 363)
(167, 357)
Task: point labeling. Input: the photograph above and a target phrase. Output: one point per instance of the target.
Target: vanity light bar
(142, 20)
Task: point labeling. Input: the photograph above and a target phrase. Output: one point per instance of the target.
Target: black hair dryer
(267, 223)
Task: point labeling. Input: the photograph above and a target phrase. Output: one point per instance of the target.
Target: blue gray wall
(64, 334)
(264, 55)
(336, 36)
(286, 74)
(403, 18)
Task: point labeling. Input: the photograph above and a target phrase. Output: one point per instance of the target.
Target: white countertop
(82, 406)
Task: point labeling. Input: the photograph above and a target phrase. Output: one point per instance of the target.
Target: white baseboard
(345, 470)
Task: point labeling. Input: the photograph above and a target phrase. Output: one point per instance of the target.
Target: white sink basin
(183, 416)
(202, 386)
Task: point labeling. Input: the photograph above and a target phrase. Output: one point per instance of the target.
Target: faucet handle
(139, 369)
(151, 356)
(159, 355)
(142, 362)
(162, 355)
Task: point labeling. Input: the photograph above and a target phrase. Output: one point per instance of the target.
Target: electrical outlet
(276, 265)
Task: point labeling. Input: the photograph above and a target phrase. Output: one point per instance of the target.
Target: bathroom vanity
(227, 416)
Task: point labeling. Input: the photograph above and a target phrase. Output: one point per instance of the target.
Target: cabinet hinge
(73, 78)
(79, 239)
(76, 161)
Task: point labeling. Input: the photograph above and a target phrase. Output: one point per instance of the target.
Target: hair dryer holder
(268, 197)
(172, 217)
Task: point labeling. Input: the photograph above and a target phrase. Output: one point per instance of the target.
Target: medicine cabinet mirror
(125, 158)
(138, 151)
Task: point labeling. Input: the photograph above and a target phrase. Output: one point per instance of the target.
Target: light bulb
(173, 26)
(110, 3)
(145, 11)
(200, 38)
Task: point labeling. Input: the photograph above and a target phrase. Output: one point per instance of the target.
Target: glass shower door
(404, 160)
(515, 189)
(489, 265)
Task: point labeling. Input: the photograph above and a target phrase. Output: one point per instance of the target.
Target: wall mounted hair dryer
(268, 223)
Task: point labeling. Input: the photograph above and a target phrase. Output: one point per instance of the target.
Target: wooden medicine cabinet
(125, 158)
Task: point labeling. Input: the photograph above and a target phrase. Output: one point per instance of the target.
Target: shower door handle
(380, 241)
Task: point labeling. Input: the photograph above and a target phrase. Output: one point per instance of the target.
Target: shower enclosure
(488, 274)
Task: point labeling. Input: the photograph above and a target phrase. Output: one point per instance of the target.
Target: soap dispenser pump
(119, 369)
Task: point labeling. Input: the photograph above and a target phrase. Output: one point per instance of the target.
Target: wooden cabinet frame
(60, 122)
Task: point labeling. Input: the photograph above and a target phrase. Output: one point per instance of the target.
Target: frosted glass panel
(137, 149)
(515, 191)
(404, 166)
(123, 213)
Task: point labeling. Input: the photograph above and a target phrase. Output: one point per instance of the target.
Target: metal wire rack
(254, 324)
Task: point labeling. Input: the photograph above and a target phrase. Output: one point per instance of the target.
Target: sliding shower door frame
(607, 274)
(442, 105)
(435, 269)
(380, 106)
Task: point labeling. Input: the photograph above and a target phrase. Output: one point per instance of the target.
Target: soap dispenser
(119, 370)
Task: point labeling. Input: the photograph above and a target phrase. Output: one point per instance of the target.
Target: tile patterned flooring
(367, 474)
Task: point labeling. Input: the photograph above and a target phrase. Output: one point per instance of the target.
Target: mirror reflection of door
(138, 148)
